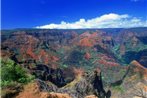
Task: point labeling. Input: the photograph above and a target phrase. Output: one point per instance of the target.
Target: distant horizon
(67, 29)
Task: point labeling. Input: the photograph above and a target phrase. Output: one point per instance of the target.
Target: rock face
(33, 90)
(133, 84)
(80, 87)
(49, 74)
(91, 96)
(11, 91)
(138, 68)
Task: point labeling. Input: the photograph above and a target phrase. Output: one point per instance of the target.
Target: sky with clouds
(110, 20)
(73, 14)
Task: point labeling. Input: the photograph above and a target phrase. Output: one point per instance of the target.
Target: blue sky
(68, 14)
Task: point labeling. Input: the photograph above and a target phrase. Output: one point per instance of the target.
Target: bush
(12, 72)
(118, 88)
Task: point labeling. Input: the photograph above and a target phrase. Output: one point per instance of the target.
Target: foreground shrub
(12, 73)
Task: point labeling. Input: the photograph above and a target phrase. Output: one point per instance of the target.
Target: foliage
(12, 72)
(86, 42)
(74, 58)
(118, 88)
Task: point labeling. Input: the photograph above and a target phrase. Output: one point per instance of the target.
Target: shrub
(12, 72)
(118, 88)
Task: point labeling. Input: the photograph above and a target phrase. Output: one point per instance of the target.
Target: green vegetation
(12, 73)
(139, 47)
(118, 88)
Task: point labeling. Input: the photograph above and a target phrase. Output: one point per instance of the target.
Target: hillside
(76, 63)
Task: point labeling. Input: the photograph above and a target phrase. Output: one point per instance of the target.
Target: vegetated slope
(65, 61)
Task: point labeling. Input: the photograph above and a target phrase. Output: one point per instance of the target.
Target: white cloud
(111, 20)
